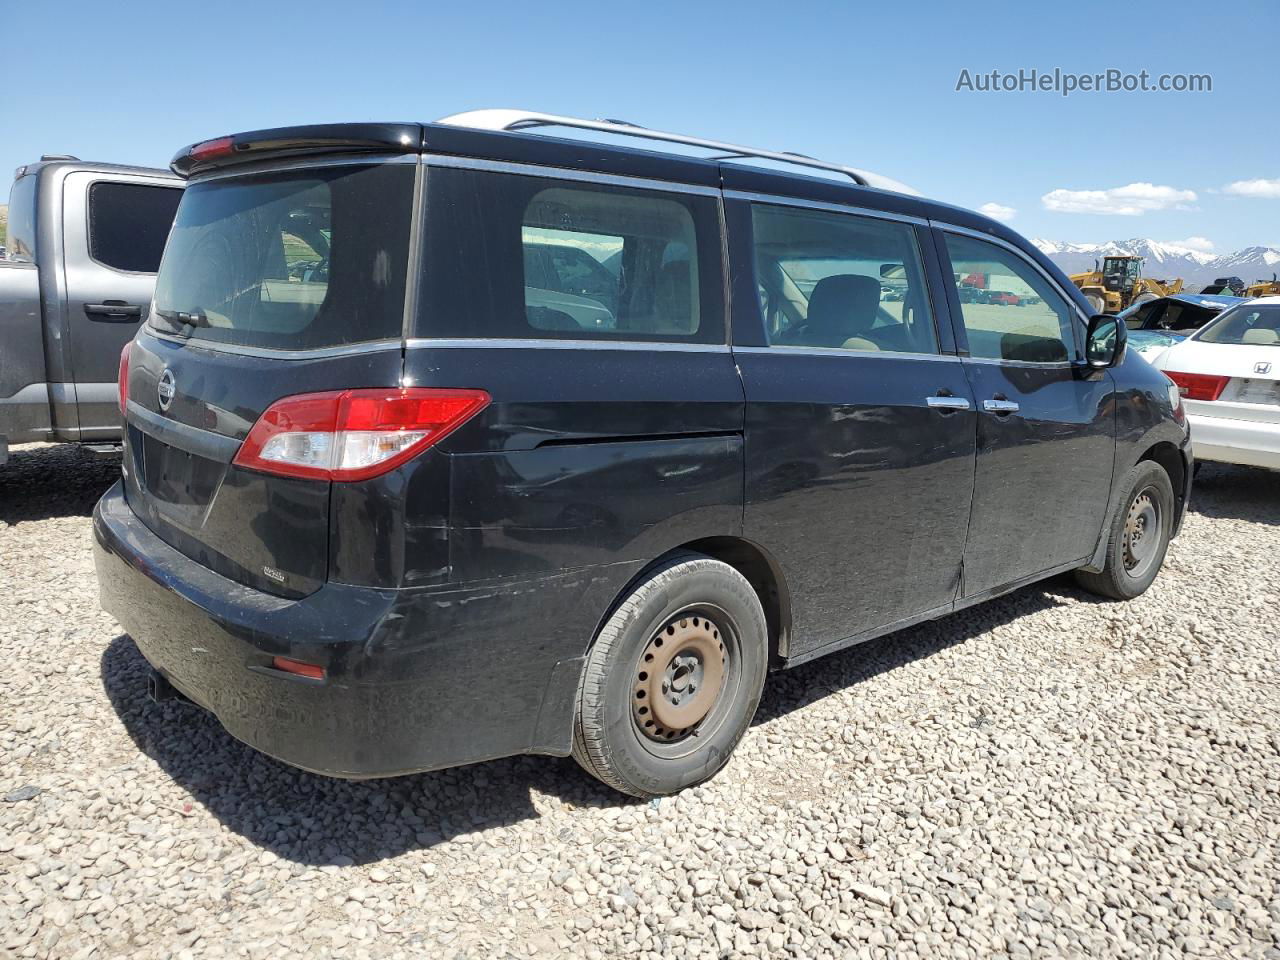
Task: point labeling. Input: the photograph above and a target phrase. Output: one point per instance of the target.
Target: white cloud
(998, 211)
(1260, 189)
(1131, 200)
(1198, 244)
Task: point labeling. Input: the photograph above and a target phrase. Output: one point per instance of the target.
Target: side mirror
(1105, 341)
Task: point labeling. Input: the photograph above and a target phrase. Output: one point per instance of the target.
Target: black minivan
(447, 443)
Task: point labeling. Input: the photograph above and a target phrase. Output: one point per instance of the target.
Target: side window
(511, 256)
(128, 224)
(840, 281)
(1010, 311)
(652, 286)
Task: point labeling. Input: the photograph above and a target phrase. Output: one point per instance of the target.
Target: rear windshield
(1255, 325)
(289, 261)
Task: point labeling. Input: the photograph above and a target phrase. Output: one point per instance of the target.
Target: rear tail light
(1198, 386)
(122, 381)
(354, 434)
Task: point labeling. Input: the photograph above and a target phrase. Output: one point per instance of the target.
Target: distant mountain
(1166, 261)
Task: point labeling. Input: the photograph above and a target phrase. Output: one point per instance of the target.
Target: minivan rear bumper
(409, 686)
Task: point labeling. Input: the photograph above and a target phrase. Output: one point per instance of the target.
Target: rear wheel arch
(751, 560)
(765, 575)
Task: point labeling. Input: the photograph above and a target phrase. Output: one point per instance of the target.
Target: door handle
(947, 403)
(1000, 406)
(113, 311)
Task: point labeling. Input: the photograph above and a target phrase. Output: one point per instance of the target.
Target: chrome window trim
(533, 343)
(1021, 255)
(266, 353)
(283, 165)
(780, 201)
(1029, 364)
(563, 173)
(801, 350)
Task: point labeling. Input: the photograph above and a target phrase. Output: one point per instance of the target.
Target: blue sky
(872, 85)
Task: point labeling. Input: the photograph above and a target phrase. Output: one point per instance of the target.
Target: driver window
(1016, 314)
(839, 281)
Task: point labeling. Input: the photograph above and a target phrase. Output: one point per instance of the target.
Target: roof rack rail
(514, 120)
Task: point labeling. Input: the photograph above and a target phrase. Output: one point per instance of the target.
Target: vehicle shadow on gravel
(1223, 491)
(42, 482)
(314, 820)
(792, 689)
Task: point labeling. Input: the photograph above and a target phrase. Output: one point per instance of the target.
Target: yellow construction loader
(1119, 283)
(1264, 288)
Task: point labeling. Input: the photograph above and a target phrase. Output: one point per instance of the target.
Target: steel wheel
(680, 676)
(673, 678)
(1142, 533)
(1137, 535)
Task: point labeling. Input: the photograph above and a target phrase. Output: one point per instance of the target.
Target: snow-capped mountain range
(1165, 261)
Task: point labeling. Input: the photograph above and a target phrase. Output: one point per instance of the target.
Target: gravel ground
(1045, 775)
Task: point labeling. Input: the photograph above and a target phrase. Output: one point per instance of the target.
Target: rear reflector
(298, 667)
(1198, 386)
(122, 380)
(347, 435)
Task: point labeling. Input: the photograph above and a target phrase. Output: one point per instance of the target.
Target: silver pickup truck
(77, 277)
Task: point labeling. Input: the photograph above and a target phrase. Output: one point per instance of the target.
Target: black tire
(690, 599)
(1131, 565)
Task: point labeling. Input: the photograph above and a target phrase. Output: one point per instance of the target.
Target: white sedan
(1228, 373)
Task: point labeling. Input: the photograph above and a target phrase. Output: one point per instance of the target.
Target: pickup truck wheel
(1138, 537)
(673, 679)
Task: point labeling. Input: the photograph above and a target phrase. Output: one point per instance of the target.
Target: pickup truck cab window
(128, 224)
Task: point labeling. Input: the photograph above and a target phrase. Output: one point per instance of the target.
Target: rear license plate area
(1257, 391)
(176, 477)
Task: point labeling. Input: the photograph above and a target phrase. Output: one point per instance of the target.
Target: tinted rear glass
(290, 261)
(128, 223)
(511, 256)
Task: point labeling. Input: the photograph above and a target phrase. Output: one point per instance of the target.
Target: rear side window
(128, 224)
(841, 281)
(1010, 311)
(510, 256)
(290, 261)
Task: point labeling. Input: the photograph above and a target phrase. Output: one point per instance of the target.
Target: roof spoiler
(296, 142)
